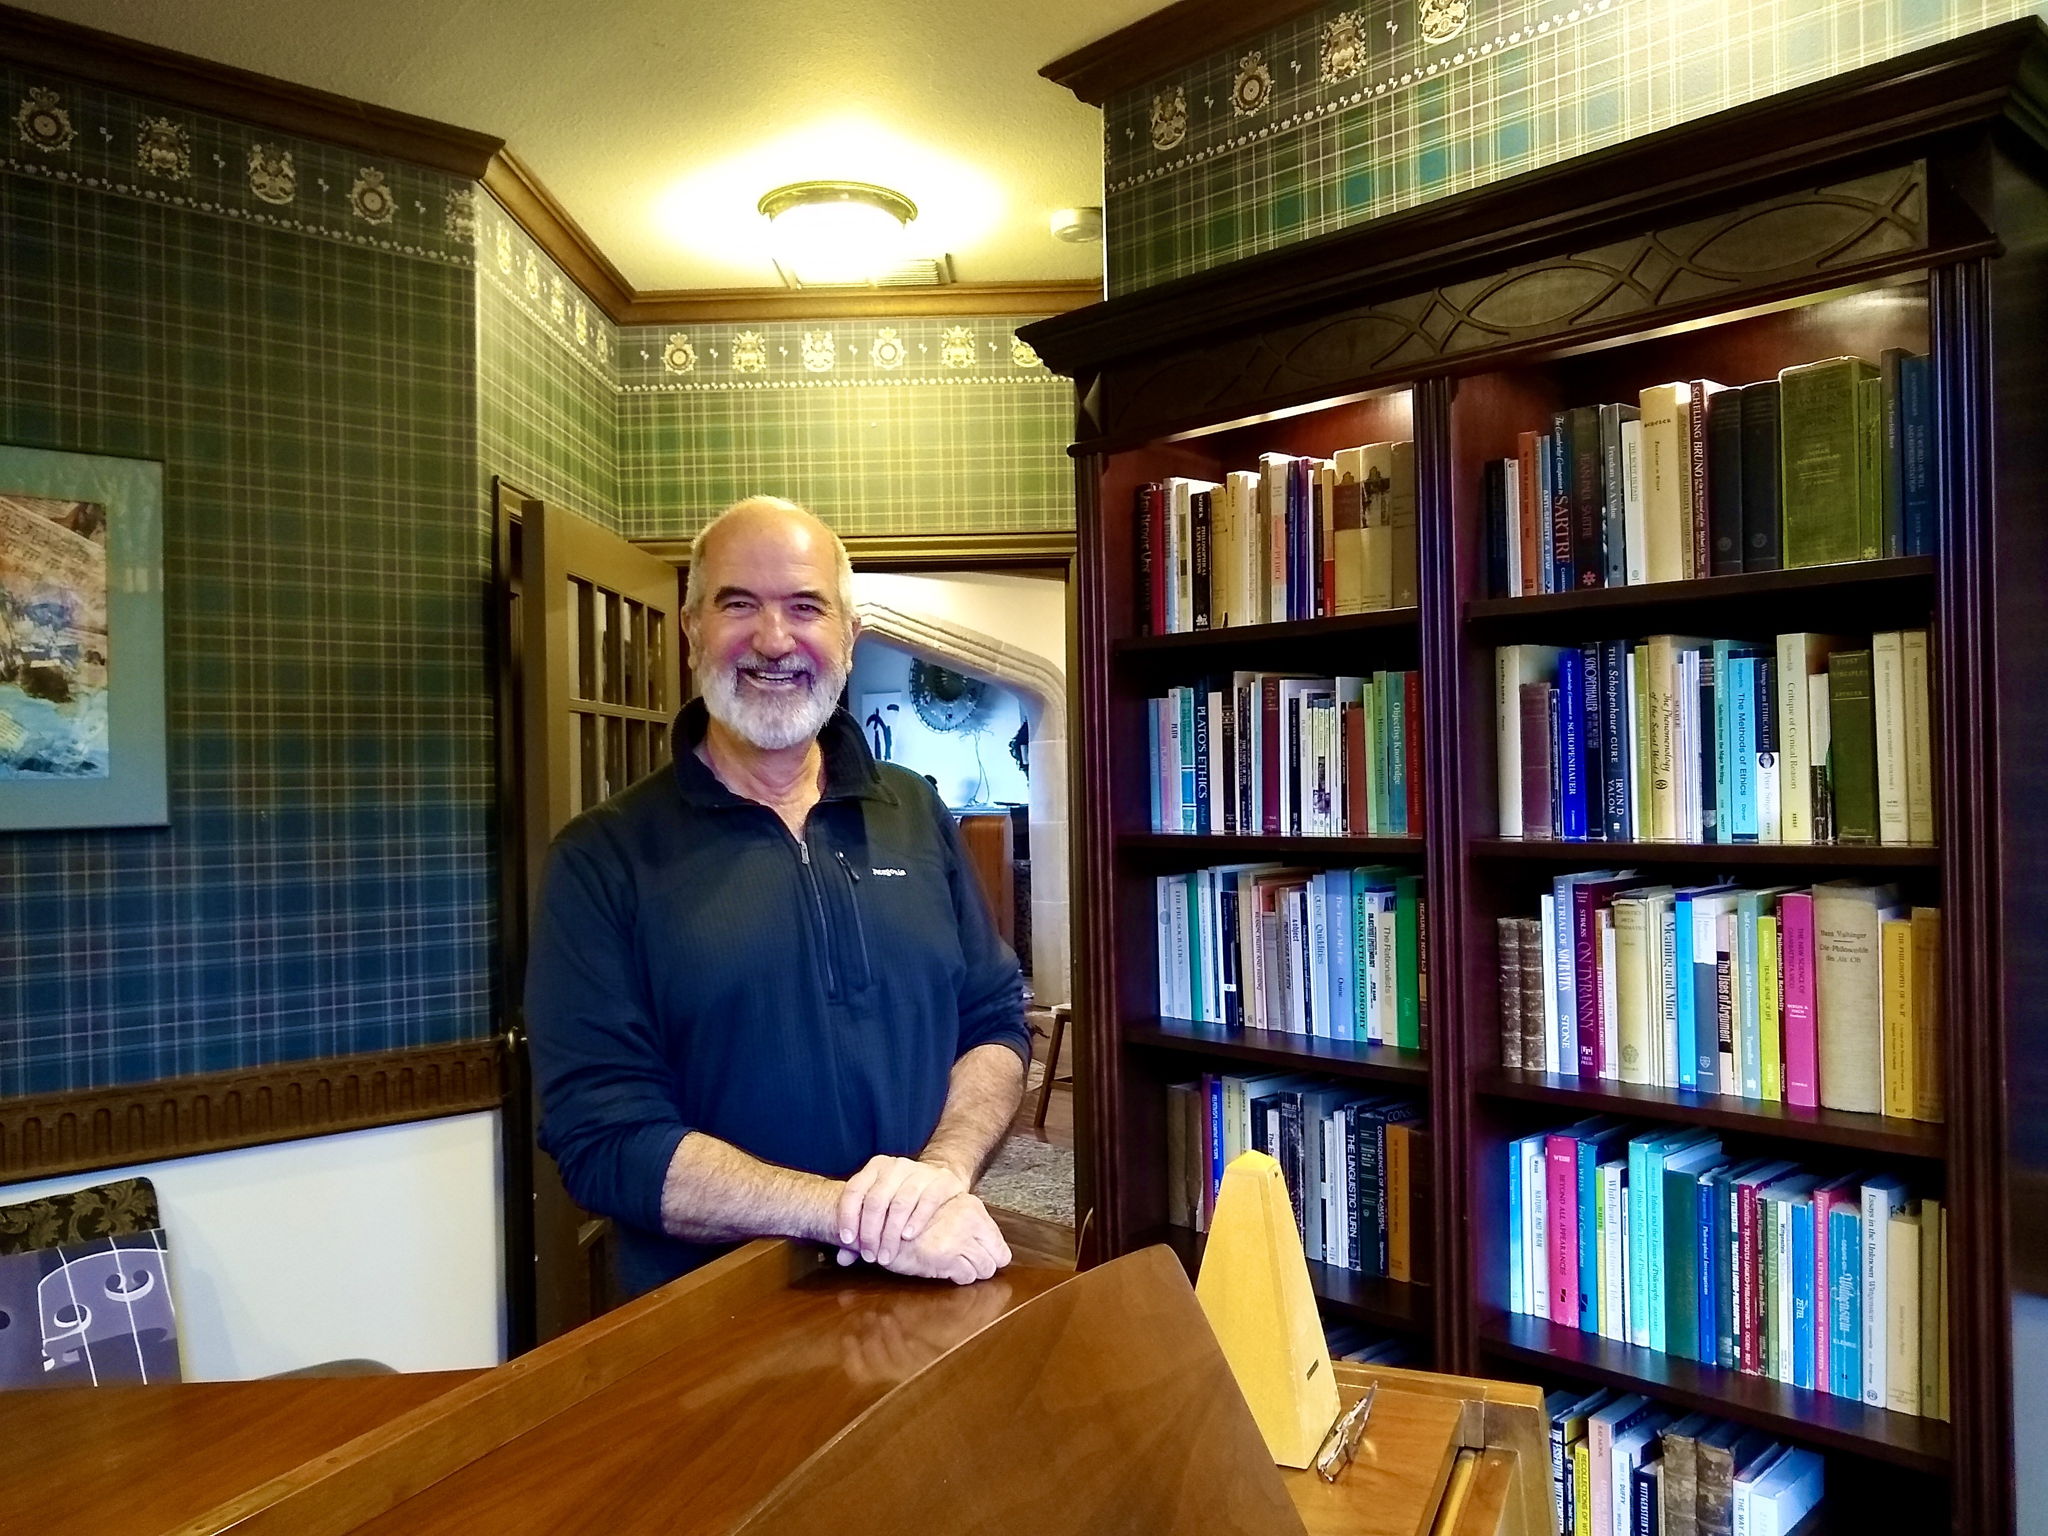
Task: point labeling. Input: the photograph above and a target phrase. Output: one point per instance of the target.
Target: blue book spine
(1636, 1199)
(1706, 1347)
(1592, 739)
(1916, 427)
(1649, 1248)
(1720, 733)
(1344, 977)
(1614, 737)
(1397, 750)
(1518, 1276)
(1802, 1294)
(1740, 750)
(1706, 1013)
(1681, 970)
(1571, 719)
(1589, 1235)
(1215, 1136)
(1845, 1303)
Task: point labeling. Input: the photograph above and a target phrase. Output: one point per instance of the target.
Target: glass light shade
(838, 232)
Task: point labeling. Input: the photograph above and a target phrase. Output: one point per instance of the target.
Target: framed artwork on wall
(81, 641)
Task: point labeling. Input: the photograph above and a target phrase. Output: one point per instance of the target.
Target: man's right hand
(960, 1243)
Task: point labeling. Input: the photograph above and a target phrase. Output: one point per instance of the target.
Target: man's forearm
(982, 1095)
(715, 1193)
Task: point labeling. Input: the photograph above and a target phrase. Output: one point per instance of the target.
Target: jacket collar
(850, 771)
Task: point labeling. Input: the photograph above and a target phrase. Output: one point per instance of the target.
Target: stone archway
(1043, 688)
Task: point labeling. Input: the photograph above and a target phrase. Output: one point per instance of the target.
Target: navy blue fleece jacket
(695, 967)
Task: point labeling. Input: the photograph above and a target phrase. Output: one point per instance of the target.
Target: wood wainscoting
(97, 1128)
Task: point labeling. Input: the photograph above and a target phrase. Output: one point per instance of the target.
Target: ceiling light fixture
(835, 232)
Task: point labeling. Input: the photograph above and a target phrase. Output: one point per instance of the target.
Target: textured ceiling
(658, 125)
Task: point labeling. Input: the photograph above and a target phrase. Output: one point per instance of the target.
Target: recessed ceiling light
(837, 231)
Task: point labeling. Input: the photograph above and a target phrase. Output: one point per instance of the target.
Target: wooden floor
(1033, 1241)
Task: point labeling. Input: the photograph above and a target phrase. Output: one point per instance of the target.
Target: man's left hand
(889, 1203)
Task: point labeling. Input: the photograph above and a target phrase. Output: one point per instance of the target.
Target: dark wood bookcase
(1903, 205)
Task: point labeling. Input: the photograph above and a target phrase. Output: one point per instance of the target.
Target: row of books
(1262, 753)
(1368, 1346)
(1803, 739)
(1664, 1240)
(1332, 953)
(1297, 538)
(1830, 461)
(1828, 995)
(1357, 1168)
(1622, 1464)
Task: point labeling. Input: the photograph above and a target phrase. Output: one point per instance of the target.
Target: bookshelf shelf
(1188, 850)
(1234, 637)
(1886, 585)
(1828, 856)
(1310, 350)
(1877, 1134)
(1344, 1293)
(1334, 1058)
(1901, 1439)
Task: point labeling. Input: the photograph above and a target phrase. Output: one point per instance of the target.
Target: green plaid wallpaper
(1347, 113)
(298, 349)
(908, 425)
(547, 394)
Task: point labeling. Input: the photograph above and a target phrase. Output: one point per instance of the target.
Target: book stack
(1624, 1465)
(1805, 738)
(1357, 1168)
(1828, 995)
(1259, 753)
(1829, 461)
(1664, 1240)
(1334, 953)
(1297, 538)
(1368, 1346)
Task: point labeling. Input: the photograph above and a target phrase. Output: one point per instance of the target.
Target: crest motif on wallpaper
(1023, 354)
(1254, 85)
(370, 198)
(1169, 118)
(272, 177)
(888, 350)
(163, 148)
(820, 352)
(749, 352)
(956, 347)
(1443, 20)
(678, 356)
(460, 218)
(1343, 47)
(43, 121)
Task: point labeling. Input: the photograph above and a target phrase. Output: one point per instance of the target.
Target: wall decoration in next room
(81, 641)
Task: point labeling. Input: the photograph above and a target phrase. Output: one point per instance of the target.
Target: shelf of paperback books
(1882, 1134)
(1398, 1304)
(1536, 1344)
(1335, 1058)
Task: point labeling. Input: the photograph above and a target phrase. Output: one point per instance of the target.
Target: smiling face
(771, 637)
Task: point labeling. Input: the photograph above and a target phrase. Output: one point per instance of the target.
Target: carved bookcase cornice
(60, 1133)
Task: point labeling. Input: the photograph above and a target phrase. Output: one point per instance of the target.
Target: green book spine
(1408, 961)
(1773, 1266)
(1681, 1265)
(1870, 468)
(1381, 809)
(1852, 711)
(1822, 452)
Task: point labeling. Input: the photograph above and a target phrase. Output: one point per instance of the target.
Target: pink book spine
(1749, 1343)
(1823, 1310)
(1802, 1051)
(1561, 1219)
(1586, 905)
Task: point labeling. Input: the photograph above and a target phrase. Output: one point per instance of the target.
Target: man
(765, 996)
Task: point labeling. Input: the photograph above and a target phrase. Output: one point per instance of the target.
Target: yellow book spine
(1396, 1196)
(1582, 1486)
(1902, 1327)
(1769, 1010)
(1919, 740)
(1931, 1321)
(1896, 960)
(1929, 1046)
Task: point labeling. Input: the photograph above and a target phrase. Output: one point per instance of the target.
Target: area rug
(1031, 1179)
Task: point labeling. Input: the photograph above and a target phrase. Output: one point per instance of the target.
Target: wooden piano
(775, 1393)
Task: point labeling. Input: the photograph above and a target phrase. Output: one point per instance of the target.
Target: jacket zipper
(803, 851)
(860, 928)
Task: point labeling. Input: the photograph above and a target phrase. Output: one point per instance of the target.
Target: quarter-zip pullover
(696, 967)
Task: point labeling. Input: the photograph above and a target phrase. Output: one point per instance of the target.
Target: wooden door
(599, 647)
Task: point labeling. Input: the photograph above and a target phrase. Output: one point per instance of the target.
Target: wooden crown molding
(181, 1117)
(923, 551)
(1158, 44)
(697, 305)
(534, 209)
(84, 53)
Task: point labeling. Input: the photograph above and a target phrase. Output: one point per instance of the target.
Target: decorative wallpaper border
(513, 262)
(827, 354)
(106, 141)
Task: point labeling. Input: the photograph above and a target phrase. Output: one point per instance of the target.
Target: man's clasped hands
(917, 1217)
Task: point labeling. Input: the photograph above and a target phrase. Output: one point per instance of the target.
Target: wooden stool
(1060, 1015)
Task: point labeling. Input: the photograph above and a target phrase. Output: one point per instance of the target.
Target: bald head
(770, 522)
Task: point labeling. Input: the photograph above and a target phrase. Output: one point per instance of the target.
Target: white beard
(771, 721)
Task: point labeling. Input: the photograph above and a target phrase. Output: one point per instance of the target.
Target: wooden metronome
(1254, 1289)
